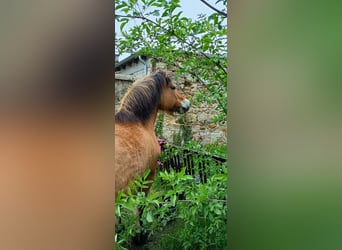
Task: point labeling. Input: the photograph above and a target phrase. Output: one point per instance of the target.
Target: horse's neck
(151, 121)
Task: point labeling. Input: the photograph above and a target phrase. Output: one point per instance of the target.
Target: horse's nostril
(186, 105)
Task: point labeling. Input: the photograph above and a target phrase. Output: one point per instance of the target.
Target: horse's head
(171, 99)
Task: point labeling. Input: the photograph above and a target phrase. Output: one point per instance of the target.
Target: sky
(190, 8)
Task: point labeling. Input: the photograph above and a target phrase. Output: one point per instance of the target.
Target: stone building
(134, 65)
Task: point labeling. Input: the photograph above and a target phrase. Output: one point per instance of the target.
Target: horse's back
(136, 149)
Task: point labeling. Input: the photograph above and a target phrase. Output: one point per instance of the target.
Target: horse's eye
(173, 87)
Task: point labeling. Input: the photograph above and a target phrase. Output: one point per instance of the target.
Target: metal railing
(198, 164)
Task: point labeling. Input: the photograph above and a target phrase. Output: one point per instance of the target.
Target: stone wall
(122, 83)
(199, 118)
(197, 121)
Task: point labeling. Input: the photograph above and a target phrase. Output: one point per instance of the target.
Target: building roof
(134, 58)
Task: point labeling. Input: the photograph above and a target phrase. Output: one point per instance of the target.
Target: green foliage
(215, 148)
(184, 133)
(158, 127)
(198, 48)
(126, 211)
(205, 225)
(197, 210)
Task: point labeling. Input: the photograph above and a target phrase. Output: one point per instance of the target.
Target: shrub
(198, 209)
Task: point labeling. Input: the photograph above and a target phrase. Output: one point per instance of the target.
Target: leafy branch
(172, 33)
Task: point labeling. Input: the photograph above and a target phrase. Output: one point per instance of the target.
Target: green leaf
(149, 217)
(165, 13)
(155, 13)
(118, 211)
(128, 206)
(173, 200)
(147, 173)
(124, 22)
(129, 192)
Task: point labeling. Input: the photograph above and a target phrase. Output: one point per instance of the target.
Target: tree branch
(173, 34)
(213, 8)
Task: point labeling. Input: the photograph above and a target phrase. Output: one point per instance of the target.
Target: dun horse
(136, 145)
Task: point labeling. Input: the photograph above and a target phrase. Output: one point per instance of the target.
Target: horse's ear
(161, 77)
(168, 78)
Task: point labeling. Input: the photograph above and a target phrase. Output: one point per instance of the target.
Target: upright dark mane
(142, 98)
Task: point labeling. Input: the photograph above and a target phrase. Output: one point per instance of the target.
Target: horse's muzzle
(185, 106)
